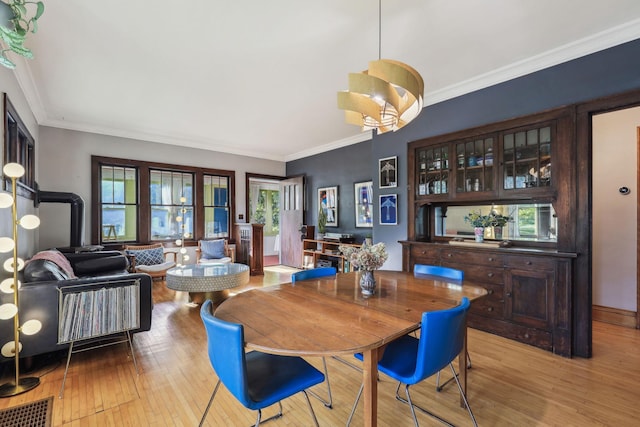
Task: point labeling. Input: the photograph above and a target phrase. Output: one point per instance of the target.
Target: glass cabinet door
(527, 158)
(474, 165)
(433, 171)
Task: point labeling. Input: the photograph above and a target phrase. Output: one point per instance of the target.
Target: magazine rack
(100, 315)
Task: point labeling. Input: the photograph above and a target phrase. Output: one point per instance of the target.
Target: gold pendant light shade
(385, 97)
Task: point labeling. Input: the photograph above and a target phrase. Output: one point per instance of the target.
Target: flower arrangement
(498, 220)
(494, 219)
(478, 220)
(367, 257)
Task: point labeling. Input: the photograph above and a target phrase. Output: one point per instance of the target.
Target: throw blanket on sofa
(57, 258)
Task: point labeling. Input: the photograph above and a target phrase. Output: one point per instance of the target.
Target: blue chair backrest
(225, 343)
(442, 336)
(436, 270)
(313, 273)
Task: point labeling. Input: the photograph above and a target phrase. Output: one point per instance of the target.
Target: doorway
(615, 177)
(263, 207)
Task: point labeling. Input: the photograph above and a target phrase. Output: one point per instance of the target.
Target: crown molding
(364, 136)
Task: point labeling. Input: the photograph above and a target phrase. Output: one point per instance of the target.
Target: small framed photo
(328, 202)
(388, 172)
(388, 209)
(364, 203)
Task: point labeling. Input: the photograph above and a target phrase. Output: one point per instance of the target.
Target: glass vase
(367, 283)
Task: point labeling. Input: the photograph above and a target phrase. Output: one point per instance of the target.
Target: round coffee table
(208, 281)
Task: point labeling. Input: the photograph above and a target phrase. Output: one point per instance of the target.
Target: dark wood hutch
(528, 160)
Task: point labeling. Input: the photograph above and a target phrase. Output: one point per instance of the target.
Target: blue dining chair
(410, 360)
(314, 273)
(446, 273)
(436, 270)
(255, 379)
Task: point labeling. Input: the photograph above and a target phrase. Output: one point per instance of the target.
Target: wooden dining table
(329, 316)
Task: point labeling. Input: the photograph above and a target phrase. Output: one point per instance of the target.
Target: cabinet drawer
(424, 252)
(491, 305)
(530, 263)
(467, 257)
(479, 273)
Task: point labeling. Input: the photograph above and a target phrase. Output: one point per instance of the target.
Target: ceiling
(260, 78)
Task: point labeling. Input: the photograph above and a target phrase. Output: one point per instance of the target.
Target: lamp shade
(8, 350)
(385, 97)
(13, 170)
(29, 222)
(6, 200)
(8, 310)
(8, 265)
(6, 244)
(31, 327)
(6, 285)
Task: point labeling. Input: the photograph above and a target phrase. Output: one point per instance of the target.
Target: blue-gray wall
(608, 72)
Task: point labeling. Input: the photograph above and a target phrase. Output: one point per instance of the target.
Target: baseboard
(615, 316)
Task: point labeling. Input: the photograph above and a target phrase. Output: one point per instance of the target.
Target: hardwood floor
(511, 384)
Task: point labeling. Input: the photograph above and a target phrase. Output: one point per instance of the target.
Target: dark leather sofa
(40, 295)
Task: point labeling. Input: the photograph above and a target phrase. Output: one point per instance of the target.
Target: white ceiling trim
(603, 40)
(363, 136)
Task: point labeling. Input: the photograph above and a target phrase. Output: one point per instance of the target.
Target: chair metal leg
(206, 411)
(431, 414)
(328, 402)
(273, 417)
(349, 364)
(464, 397)
(440, 387)
(355, 404)
(313, 414)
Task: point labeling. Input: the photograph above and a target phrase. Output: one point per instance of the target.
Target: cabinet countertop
(508, 250)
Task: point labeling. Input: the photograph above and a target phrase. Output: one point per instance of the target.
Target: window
(118, 197)
(19, 148)
(169, 191)
(216, 206)
(136, 201)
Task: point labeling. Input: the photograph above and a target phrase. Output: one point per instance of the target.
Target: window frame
(19, 147)
(144, 203)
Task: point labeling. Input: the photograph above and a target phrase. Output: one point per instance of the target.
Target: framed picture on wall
(388, 209)
(388, 172)
(364, 203)
(328, 202)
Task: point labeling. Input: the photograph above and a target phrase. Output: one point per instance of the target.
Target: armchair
(215, 252)
(150, 259)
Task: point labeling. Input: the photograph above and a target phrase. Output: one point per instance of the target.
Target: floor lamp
(12, 285)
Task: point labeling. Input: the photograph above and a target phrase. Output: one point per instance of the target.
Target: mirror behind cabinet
(527, 222)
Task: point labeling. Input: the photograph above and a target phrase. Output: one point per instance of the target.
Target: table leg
(462, 368)
(370, 381)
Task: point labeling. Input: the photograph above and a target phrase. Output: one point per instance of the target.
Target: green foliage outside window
(267, 211)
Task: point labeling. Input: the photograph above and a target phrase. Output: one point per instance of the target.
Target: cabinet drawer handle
(509, 294)
(490, 309)
(490, 292)
(424, 252)
(526, 336)
(490, 259)
(489, 274)
(449, 255)
(528, 262)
